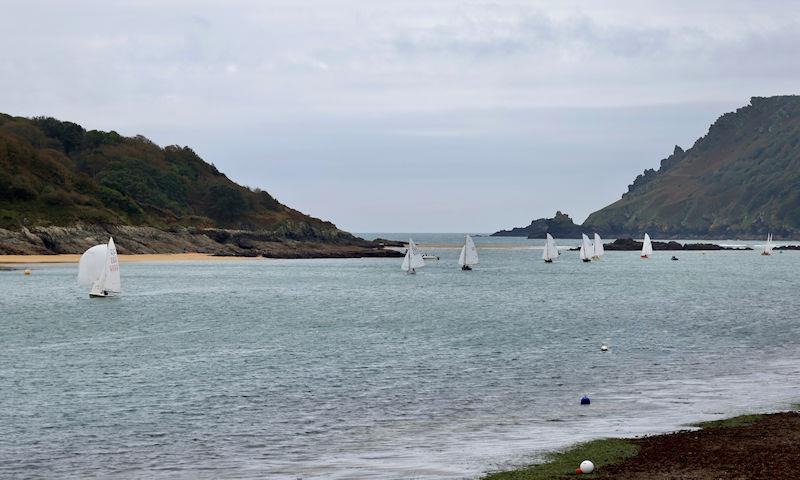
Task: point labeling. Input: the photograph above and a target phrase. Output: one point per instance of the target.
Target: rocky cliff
(63, 189)
(741, 180)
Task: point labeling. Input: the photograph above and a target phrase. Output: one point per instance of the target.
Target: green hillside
(55, 173)
(742, 179)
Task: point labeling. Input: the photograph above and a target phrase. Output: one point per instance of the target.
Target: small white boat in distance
(586, 248)
(469, 254)
(99, 267)
(413, 259)
(768, 247)
(550, 252)
(647, 247)
(598, 247)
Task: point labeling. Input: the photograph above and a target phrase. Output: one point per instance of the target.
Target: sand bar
(146, 257)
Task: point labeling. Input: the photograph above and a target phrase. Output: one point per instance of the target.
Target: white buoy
(587, 466)
(604, 347)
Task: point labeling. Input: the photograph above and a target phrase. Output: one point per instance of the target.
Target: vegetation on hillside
(57, 173)
(741, 179)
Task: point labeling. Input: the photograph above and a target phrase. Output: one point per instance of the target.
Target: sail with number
(647, 247)
(550, 252)
(586, 248)
(413, 258)
(469, 254)
(598, 247)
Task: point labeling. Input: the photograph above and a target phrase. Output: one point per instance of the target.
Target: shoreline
(745, 446)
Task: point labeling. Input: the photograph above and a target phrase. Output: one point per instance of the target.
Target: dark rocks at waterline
(221, 242)
(389, 243)
(629, 244)
(787, 247)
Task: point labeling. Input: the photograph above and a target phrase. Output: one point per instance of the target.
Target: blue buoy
(585, 400)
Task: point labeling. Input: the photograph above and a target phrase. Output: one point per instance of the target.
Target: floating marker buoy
(578, 471)
(585, 400)
(586, 467)
(27, 271)
(604, 347)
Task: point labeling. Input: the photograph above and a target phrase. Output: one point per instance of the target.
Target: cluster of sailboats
(99, 265)
(415, 259)
(589, 251)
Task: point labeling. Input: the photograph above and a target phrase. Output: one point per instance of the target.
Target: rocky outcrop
(629, 244)
(133, 240)
(561, 225)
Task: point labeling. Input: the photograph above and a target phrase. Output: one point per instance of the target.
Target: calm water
(352, 369)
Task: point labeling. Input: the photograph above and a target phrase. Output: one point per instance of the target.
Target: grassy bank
(557, 464)
(741, 447)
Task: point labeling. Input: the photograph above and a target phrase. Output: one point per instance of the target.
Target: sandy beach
(156, 257)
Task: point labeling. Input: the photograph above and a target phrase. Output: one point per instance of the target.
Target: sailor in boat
(466, 267)
(674, 257)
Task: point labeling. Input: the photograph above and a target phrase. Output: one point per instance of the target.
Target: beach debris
(27, 271)
(585, 400)
(586, 467)
(604, 347)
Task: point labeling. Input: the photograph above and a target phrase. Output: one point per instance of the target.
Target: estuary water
(351, 369)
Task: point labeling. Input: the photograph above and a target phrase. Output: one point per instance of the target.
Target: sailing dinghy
(768, 247)
(586, 248)
(550, 252)
(99, 267)
(469, 254)
(413, 258)
(647, 247)
(598, 247)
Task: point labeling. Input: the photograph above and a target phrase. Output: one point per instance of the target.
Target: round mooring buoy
(587, 467)
(27, 271)
(585, 400)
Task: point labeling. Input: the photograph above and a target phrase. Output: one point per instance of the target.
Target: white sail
(768, 246)
(647, 246)
(550, 251)
(99, 267)
(586, 248)
(110, 280)
(406, 266)
(598, 247)
(469, 254)
(91, 264)
(413, 258)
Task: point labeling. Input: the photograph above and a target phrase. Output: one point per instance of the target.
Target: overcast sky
(405, 115)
